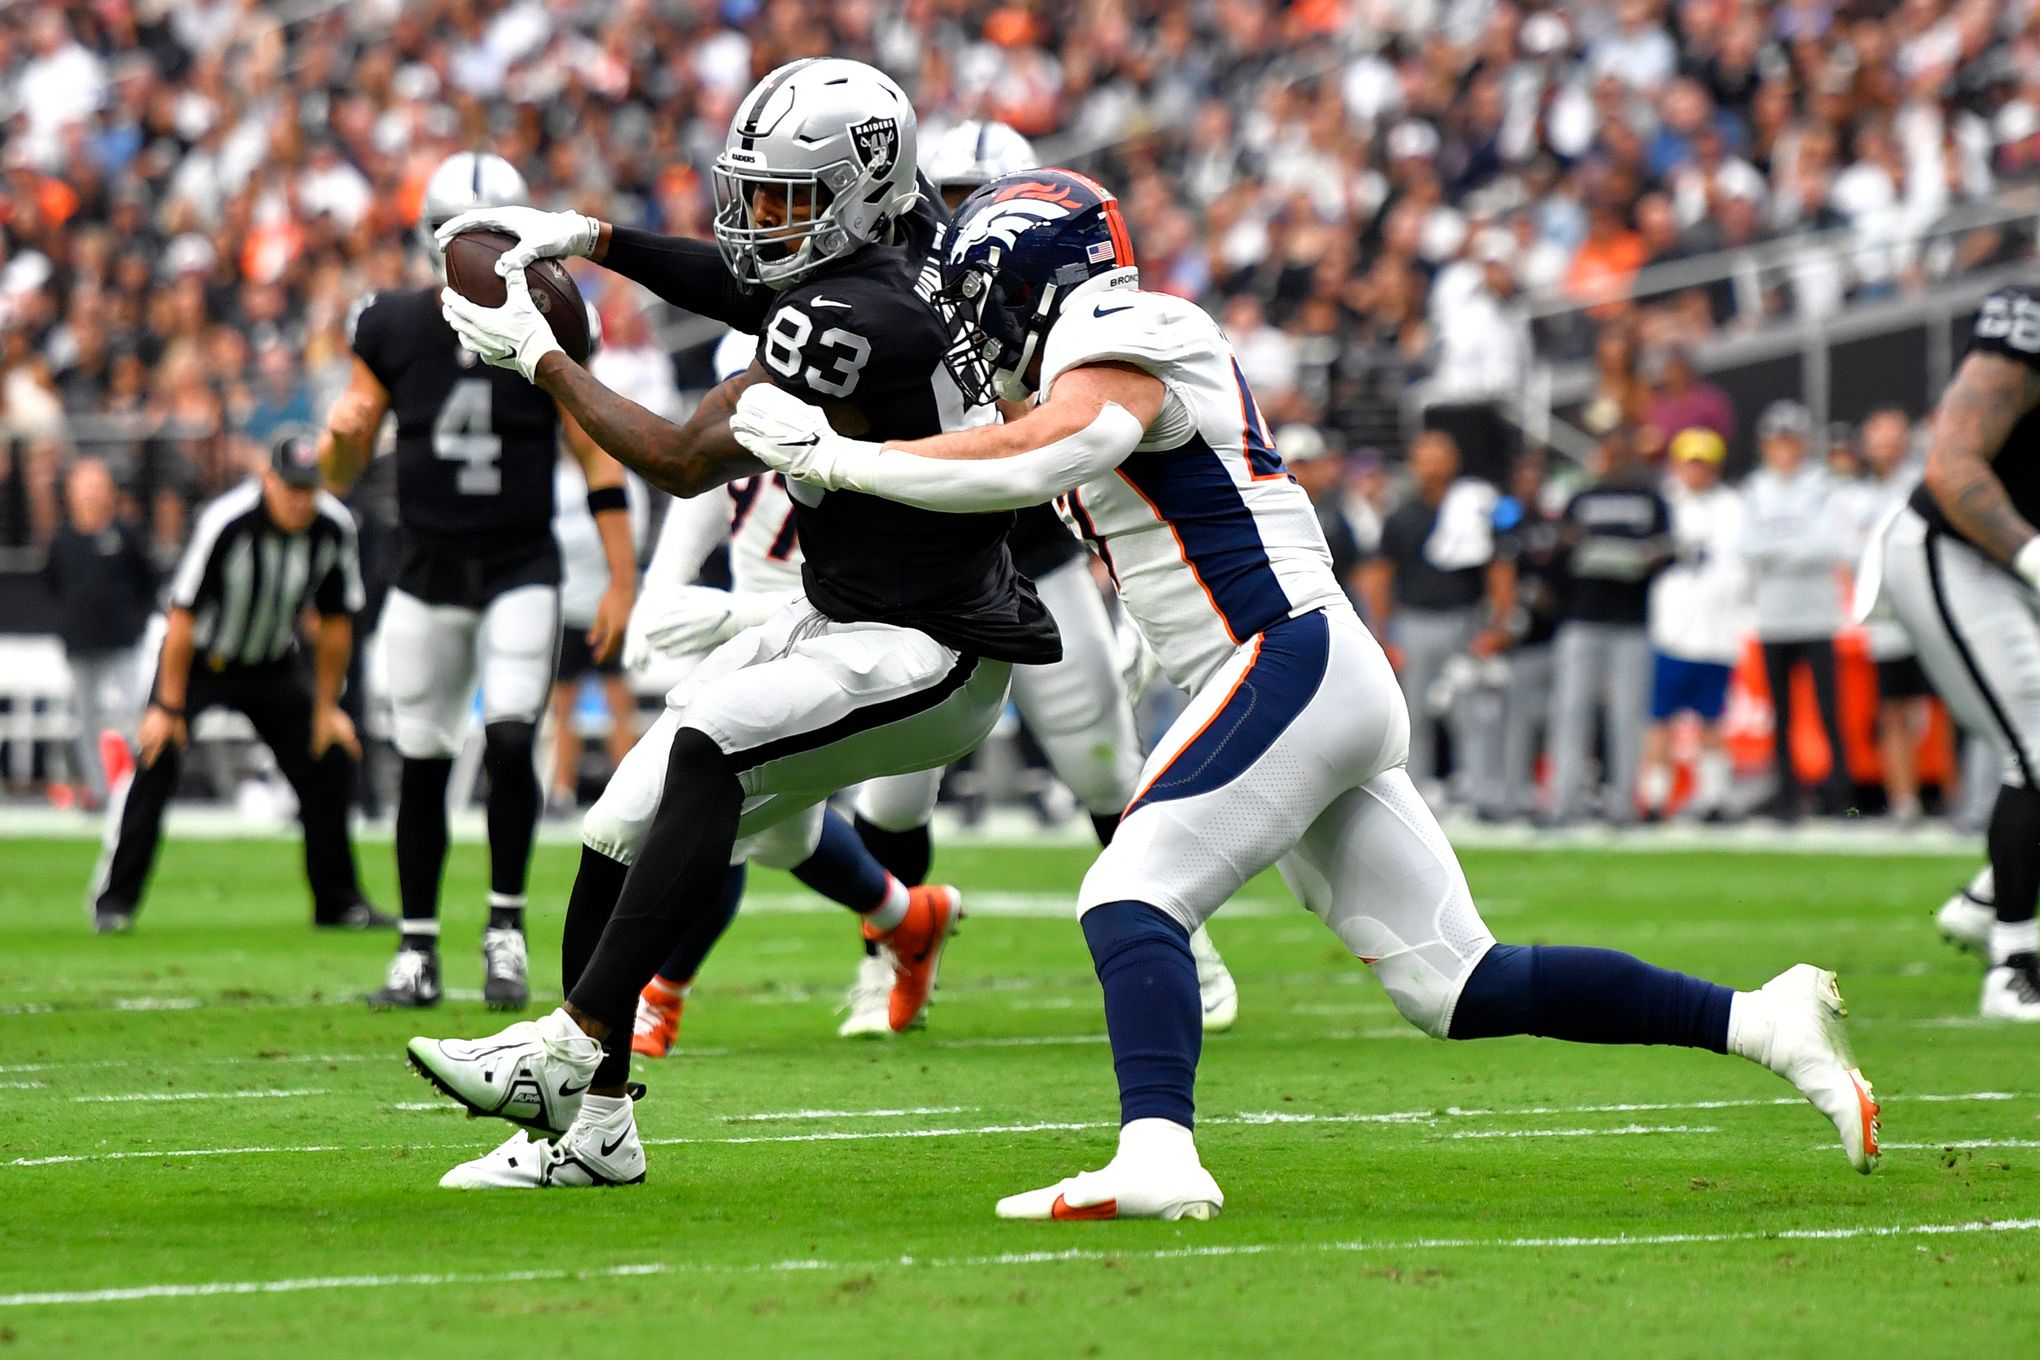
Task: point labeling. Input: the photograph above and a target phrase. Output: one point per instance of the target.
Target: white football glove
(792, 436)
(2027, 563)
(699, 618)
(540, 235)
(514, 335)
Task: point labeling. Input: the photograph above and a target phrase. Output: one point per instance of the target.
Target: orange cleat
(916, 945)
(658, 1018)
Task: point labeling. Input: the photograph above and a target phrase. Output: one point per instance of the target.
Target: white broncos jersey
(755, 516)
(1207, 537)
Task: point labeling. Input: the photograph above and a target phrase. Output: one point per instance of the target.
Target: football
(471, 270)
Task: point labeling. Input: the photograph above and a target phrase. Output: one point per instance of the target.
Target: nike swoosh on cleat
(569, 1092)
(1062, 1211)
(609, 1148)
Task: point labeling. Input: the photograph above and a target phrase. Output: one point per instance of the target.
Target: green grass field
(215, 1150)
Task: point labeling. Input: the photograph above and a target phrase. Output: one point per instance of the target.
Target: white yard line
(904, 1113)
(1425, 1118)
(151, 1097)
(1965, 1143)
(1215, 1251)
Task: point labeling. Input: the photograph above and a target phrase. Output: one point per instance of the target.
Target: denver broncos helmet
(1015, 249)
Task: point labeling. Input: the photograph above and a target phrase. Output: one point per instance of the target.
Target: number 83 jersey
(475, 444)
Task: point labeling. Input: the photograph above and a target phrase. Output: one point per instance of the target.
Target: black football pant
(1819, 656)
(277, 700)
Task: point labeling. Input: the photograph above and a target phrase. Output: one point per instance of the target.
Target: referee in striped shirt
(261, 555)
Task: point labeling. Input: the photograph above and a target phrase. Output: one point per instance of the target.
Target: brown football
(471, 271)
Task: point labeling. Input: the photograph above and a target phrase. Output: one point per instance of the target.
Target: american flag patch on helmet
(1098, 251)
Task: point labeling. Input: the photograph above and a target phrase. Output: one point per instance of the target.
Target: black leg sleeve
(513, 803)
(677, 880)
(1820, 658)
(2014, 840)
(421, 835)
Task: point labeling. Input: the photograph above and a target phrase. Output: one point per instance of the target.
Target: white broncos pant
(1294, 754)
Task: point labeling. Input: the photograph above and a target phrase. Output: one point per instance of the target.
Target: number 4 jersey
(475, 452)
(2007, 325)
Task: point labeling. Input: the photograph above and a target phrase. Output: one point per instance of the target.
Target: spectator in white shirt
(1699, 616)
(1792, 547)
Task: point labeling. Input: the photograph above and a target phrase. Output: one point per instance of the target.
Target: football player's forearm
(681, 460)
(613, 527)
(173, 668)
(334, 644)
(1988, 397)
(1014, 481)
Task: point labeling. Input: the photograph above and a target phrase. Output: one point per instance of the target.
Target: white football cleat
(1215, 988)
(1156, 1174)
(598, 1150)
(534, 1073)
(1965, 922)
(2011, 991)
(869, 1000)
(505, 963)
(1793, 1025)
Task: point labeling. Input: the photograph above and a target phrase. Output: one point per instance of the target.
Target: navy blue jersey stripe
(786, 539)
(1288, 668)
(1261, 455)
(1191, 490)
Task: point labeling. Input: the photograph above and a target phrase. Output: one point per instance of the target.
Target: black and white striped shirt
(247, 581)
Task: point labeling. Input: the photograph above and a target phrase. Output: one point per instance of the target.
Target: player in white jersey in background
(1292, 750)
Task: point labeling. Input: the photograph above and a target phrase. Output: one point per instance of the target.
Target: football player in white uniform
(1078, 710)
(1292, 749)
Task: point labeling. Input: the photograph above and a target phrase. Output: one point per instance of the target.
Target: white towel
(1464, 535)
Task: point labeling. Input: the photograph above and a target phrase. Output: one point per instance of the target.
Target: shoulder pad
(1152, 330)
(2008, 323)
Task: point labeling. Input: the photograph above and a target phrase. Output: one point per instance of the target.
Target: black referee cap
(294, 455)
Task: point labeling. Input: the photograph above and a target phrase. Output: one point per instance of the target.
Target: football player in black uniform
(1961, 567)
(897, 658)
(476, 595)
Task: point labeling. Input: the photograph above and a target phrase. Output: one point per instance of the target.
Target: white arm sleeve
(987, 484)
(692, 528)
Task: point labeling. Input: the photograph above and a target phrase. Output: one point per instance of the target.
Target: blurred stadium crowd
(1367, 192)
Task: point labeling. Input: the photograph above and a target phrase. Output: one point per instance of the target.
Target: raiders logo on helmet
(878, 142)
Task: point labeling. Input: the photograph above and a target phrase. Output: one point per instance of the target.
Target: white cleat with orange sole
(1156, 1174)
(1793, 1025)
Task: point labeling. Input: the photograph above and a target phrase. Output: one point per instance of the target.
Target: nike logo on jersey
(1108, 311)
(819, 301)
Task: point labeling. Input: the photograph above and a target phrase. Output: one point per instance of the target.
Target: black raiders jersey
(2007, 324)
(1041, 542)
(861, 333)
(475, 444)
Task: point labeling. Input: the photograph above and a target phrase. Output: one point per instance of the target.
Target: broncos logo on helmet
(1015, 249)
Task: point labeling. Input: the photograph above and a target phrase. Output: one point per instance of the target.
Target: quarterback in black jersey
(476, 595)
(1960, 566)
(896, 659)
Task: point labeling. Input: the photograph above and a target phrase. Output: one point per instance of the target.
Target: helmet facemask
(992, 333)
(808, 235)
